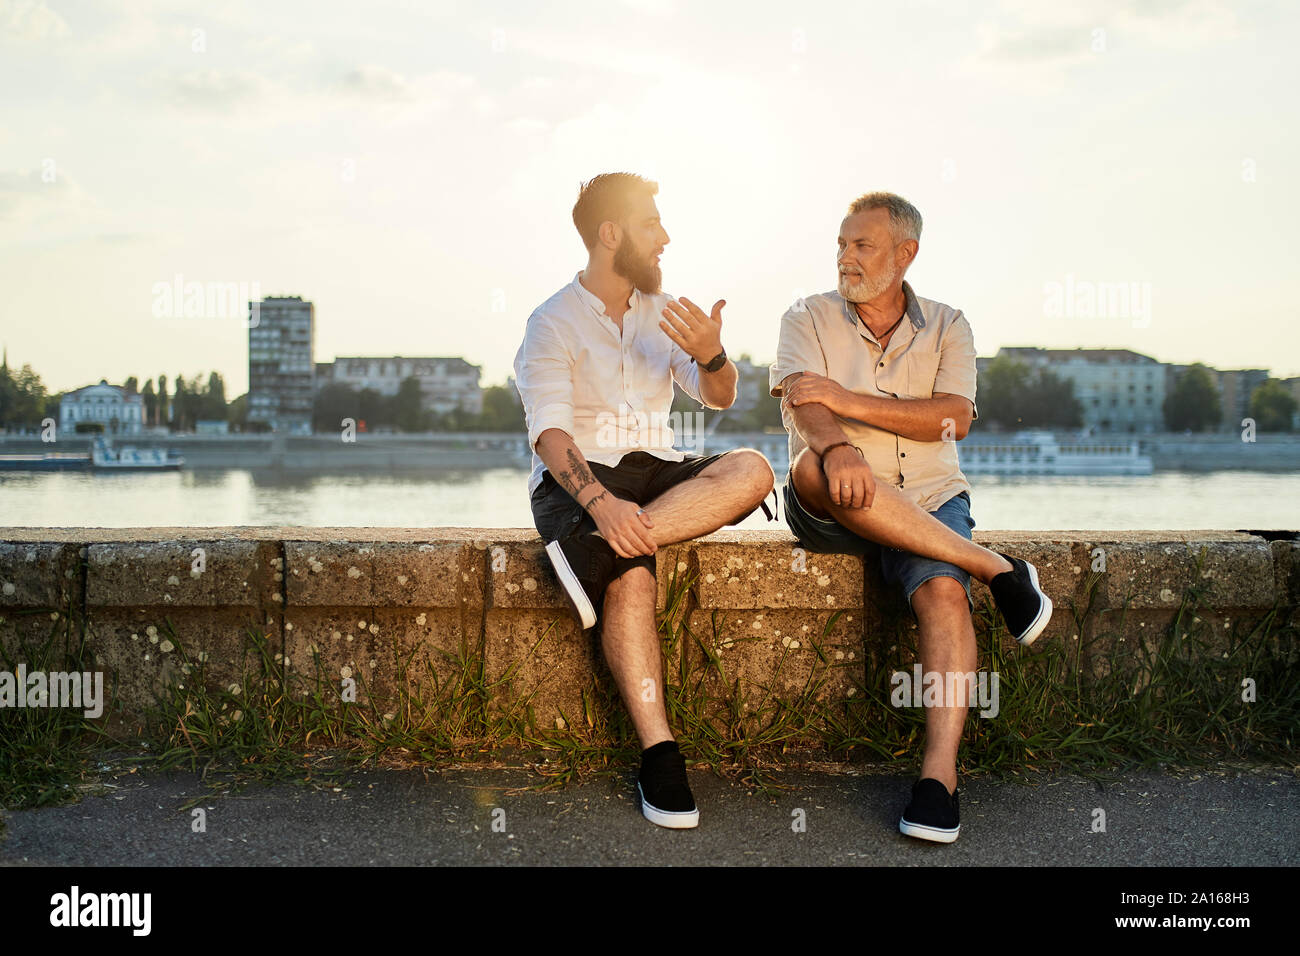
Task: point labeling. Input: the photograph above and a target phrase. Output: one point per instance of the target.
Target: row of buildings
(283, 378)
(1120, 390)
(1124, 391)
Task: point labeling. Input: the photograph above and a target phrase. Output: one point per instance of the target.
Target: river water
(497, 498)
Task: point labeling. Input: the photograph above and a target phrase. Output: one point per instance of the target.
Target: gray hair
(904, 218)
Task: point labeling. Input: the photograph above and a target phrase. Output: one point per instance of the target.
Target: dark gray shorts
(639, 476)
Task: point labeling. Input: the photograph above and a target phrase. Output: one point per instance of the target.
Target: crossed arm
(943, 417)
(814, 402)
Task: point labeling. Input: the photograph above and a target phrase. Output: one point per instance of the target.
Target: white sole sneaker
(572, 586)
(1044, 613)
(933, 834)
(672, 819)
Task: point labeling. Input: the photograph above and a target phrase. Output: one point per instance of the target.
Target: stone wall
(402, 610)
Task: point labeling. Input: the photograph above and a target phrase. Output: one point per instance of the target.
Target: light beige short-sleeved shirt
(931, 351)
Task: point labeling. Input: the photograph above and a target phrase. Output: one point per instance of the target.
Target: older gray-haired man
(877, 387)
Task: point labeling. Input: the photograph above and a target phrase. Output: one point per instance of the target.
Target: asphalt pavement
(478, 816)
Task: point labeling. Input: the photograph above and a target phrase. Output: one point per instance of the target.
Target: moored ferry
(1039, 452)
(104, 457)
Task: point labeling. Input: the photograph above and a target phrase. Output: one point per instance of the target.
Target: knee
(940, 593)
(806, 473)
(634, 583)
(755, 470)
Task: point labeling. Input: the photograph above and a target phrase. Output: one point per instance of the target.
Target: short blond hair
(904, 218)
(606, 198)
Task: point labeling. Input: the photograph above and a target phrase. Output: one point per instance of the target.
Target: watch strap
(716, 362)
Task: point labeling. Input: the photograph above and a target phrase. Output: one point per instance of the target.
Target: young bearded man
(877, 386)
(595, 373)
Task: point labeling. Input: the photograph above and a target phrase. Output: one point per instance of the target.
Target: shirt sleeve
(544, 378)
(798, 349)
(956, 374)
(686, 373)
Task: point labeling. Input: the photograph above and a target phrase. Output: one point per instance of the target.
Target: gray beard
(866, 289)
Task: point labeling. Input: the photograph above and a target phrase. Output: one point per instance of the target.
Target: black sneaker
(665, 795)
(584, 564)
(1024, 605)
(932, 814)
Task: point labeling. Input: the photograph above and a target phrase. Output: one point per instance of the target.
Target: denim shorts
(908, 570)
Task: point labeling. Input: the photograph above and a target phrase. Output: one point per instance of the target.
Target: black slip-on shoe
(933, 814)
(584, 564)
(665, 794)
(1024, 605)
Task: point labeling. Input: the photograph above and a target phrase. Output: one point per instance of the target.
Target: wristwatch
(715, 363)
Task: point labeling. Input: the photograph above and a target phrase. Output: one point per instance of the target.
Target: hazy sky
(411, 167)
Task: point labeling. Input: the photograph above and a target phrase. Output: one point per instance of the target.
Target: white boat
(104, 457)
(1038, 452)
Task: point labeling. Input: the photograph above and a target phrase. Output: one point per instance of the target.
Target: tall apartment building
(1120, 390)
(445, 383)
(281, 373)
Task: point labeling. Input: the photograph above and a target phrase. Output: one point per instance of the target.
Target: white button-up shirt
(612, 392)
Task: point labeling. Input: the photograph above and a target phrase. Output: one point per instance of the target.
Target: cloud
(24, 192)
(1023, 33)
(216, 90)
(30, 21)
(411, 96)
(376, 83)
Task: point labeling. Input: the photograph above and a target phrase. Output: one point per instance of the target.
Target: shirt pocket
(922, 367)
(653, 357)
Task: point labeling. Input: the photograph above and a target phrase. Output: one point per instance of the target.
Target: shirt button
(902, 454)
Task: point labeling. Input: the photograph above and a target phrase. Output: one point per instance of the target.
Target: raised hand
(697, 334)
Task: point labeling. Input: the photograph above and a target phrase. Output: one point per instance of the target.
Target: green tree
(237, 413)
(164, 404)
(502, 411)
(374, 408)
(150, 404)
(1272, 406)
(181, 405)
(214, 398)
(1001, 390)
(22, 398)
(1052, 403)
(1194, 401)
(334, 403)
(408, 406)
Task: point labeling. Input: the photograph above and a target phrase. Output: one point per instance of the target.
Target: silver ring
(640, 511)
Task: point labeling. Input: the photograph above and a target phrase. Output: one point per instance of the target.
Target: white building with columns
(120, 412)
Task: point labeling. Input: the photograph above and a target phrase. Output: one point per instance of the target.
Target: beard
(867, 288)
(644, 274)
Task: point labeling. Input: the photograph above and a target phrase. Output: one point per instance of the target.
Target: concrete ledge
(404, 610)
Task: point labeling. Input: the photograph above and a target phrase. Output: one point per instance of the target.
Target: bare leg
(947, 647)
(894, 521)
(630, 642)
(731, 487)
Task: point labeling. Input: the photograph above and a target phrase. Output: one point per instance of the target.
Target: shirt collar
(586, 295)
(912, 308)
